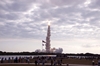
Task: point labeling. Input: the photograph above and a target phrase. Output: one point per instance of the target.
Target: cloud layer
(69, 18)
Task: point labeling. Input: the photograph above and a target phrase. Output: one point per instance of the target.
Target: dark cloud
(95, 4)
(10, 16)
(16, 6)
(66, 2)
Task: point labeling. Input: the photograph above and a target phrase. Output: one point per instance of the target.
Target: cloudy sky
(75, 25)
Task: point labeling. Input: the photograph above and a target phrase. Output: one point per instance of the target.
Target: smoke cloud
(53, 50)
(59, 50)
(38, 50)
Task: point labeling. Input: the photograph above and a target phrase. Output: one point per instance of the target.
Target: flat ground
(32, 64)
(80, 61)
(70, 61)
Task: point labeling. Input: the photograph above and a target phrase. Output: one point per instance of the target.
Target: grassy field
(64, 61)
(21, 65)
(79, 61)
(17, 65)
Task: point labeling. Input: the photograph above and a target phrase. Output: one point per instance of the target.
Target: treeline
(58, 54)
(26, 53)
(83, 54)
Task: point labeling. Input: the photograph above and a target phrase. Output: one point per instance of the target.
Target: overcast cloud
(70, 19)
